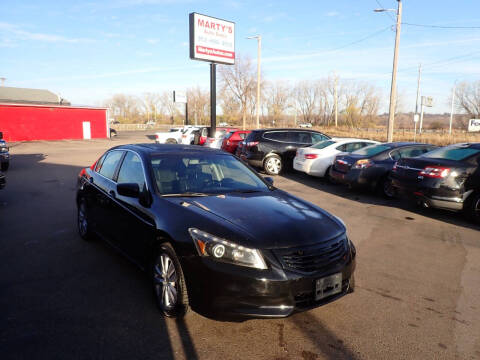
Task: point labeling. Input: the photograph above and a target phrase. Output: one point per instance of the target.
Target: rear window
(371, 150)
(452, 153)
(229, 135)
(323, 144)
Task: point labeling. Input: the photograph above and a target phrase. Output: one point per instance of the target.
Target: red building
(30, 114)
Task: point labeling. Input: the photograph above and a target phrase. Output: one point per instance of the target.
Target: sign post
(426, 101)
(212, 40)
(181, 97)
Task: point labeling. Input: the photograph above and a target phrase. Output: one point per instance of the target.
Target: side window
(316, 137)
(342, 148)
(132, 171)
(300, 137)
(242, 135)
(395, 155)
(352, 147)
(110, 164)
(411, 152)
(276, 135)
(99, 163)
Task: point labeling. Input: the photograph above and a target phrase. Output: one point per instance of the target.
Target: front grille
(313, 258)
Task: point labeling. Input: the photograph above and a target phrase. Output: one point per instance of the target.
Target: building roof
(29, 96)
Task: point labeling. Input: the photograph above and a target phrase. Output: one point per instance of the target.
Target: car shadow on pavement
(324, 340)
(368, 197)
(63, 297)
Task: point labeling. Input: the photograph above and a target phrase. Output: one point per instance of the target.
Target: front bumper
(4, 157)
(229, 291)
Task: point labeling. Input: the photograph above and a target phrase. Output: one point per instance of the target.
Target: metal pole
(421, 117)
(451, 110)
(213, 99)
(418, 86)
(259, 60)
(186, 113)
(336, 101)
(393, 90)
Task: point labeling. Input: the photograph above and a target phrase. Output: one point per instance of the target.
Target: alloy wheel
(82, 219)
(166, 282)
(273, 165)
(388, 189)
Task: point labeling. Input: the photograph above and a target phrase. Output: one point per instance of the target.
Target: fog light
(218, 250)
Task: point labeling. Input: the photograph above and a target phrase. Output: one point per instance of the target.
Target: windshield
(323, 144)
(451, 153)
(371, 150)
(203, 173)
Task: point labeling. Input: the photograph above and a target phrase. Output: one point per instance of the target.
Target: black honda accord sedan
(212, 233)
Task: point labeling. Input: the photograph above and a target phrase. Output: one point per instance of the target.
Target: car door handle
(112, 193)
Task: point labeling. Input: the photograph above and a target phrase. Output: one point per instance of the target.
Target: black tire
(5, 166)
(273, 165)
(171, 141)
(83, 223)
(169, 288)
(472, 208)
(327, 176)
(385, 188)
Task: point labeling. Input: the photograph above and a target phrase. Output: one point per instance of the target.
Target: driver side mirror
(268, 179)
(128, 189)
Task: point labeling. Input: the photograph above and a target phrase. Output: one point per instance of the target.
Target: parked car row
(438, 177)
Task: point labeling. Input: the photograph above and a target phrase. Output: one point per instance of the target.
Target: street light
(259, 59)
(393, 89)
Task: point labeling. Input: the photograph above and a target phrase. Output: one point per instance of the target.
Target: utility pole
(451, 110)
(421, 116)
(415, 119)
(259, 61)
(336, 101)
(393, 90)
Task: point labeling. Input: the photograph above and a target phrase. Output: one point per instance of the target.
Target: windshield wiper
(245, 191)
(187, 194)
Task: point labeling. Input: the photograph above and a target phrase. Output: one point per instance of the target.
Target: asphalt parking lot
(417, 294)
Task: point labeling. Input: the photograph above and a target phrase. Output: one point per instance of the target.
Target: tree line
(283, 103)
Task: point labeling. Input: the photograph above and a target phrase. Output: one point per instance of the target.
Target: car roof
(151, 149)
(286, 129)
(402, 143)
(351, 139)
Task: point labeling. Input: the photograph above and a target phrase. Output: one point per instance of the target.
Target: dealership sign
(212, 39)
(474, 125)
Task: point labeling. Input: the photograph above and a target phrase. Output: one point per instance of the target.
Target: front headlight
(222, 250)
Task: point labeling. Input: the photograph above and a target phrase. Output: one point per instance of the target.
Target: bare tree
(240, 81)
(198, 104)
(124, 108)
(277, 99)
(151, 104)
(467, 98)
(305, 93)
(361, 104)
(169, 108)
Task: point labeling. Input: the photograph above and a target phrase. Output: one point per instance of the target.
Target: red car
(231, 140)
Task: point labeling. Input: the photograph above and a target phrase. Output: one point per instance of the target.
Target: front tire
(273, 165)
(386, 189)
(83, 221)
(169, 285)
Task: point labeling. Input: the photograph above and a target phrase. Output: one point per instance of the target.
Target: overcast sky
(88, 50)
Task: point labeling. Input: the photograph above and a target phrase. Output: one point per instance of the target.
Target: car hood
(271, 219)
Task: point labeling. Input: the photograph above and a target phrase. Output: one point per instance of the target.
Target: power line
(447, 61)
(385, 12)
(376, 33)
(441, 26)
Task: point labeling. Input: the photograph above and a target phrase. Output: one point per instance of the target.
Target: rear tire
(273, 165)
(169, 285)
(327, 176)
(385, 188)
(171, 141)
(472, 208)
